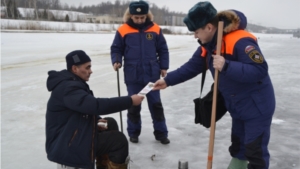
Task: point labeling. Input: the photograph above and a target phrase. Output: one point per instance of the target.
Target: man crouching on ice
(73, 137)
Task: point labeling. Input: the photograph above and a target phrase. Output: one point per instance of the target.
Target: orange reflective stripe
(155, 28)
(231, 39)
(204, 52)
(126, 29)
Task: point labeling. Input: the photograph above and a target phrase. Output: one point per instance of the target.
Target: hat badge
(138, 10)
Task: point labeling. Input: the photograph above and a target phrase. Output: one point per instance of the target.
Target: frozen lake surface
(27, 57)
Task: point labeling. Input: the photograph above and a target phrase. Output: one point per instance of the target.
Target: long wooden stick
(214, 105)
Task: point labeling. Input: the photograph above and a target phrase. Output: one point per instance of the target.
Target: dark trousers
(250, 140)
(134, 121)
(112, 142)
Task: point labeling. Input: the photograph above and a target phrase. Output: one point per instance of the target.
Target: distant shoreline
(44, 31)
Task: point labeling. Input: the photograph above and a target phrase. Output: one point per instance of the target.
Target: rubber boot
(237, 164)
(112, 165)
(101, 162)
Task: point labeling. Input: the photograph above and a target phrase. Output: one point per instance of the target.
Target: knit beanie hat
(199, 15)
(76, 57)
(138, 8)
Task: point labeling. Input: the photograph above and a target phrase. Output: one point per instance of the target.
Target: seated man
(72, 116)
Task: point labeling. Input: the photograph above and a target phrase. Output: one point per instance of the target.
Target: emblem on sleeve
(249, 48)
(149, 36)
(256, 57)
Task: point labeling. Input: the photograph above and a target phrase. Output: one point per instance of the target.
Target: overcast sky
(271, 13)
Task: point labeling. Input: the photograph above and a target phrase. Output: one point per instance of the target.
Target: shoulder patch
(256, 56)
(249, 48)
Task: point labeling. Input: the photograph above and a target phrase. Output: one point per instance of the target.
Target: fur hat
(76, 57)
(138, 8)
(199, 15)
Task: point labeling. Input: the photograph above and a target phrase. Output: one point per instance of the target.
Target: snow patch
(277, 121)
(25, 108)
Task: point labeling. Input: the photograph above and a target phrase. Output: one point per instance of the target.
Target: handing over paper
(146, 89)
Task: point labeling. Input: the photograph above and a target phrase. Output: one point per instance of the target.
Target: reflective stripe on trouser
(157, 114)
(250, 140)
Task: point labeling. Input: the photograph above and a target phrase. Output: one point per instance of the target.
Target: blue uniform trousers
(134, 123)
(250, 140)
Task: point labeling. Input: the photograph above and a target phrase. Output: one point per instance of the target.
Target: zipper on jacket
(75, 133)
(141, 33)
(141, 43)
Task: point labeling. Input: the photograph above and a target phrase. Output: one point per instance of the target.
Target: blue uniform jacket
(145, 52)
(71, 119)
(244, 80)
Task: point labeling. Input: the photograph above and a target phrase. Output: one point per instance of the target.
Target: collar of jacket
(75, 77)
(233, 20)
(145, 26)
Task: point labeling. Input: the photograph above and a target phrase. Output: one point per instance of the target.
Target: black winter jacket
(71, 119)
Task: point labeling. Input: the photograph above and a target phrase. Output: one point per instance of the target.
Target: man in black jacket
(73, 137)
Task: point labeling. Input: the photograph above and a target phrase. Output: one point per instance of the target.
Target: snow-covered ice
(27, 57)
(72, 26)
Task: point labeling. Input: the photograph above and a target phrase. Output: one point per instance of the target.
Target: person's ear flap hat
(138, 8)
(199, 15)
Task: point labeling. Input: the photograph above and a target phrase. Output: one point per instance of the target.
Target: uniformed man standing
(142, 46)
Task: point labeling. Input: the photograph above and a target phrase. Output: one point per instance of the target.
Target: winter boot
(165, 141)
(237, 164)
(134, 139)
(112, 165)
(101, 162)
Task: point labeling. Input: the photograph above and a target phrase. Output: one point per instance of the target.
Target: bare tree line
(116, 9)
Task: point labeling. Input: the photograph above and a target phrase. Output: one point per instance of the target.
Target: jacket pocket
(155, 70)
(129, 72)
(73, 137)
(246, 109)
(260, 102)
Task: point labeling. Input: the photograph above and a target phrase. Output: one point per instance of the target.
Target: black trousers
(112, 142)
